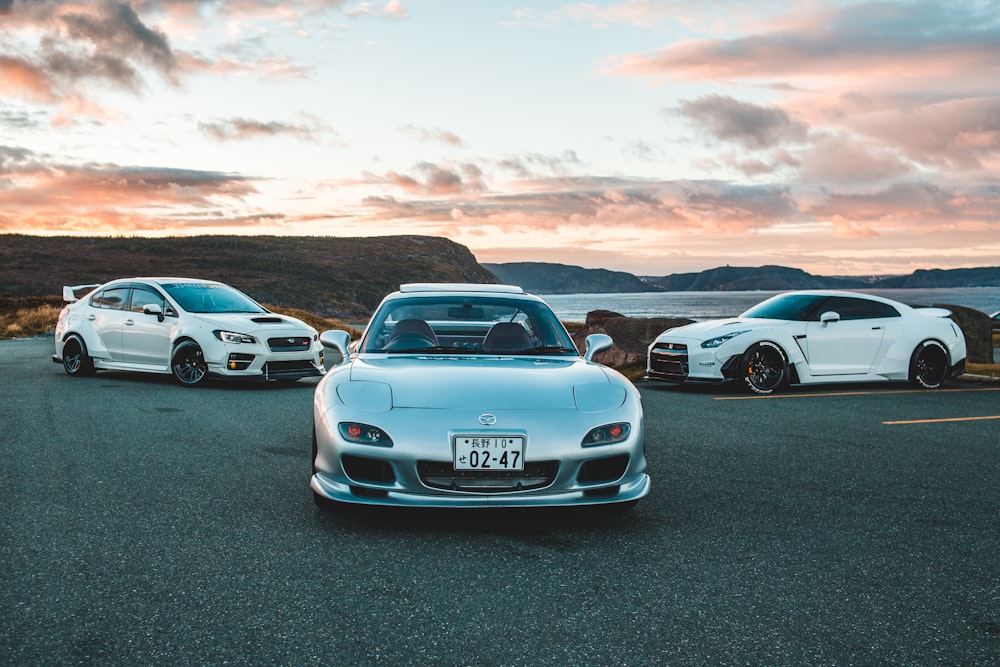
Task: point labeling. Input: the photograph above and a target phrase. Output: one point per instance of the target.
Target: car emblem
(487, 420)
(291, 341)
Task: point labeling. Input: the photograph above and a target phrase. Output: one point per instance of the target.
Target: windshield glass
(211, 298)
(797, 307)
(467, 324)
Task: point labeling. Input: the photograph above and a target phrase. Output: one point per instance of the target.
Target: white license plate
(476, 452)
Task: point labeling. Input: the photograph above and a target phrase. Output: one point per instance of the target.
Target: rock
(975, 325)
(632, 336)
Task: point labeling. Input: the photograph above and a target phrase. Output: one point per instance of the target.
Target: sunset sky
(646, 136)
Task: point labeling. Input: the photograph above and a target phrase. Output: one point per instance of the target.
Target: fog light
(239, 362)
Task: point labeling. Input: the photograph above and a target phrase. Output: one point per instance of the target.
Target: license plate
(476, 452)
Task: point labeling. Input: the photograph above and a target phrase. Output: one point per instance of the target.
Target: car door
(146, 336)
(106, 316)
(847, 344)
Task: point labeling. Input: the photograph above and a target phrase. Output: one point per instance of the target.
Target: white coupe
(190, 328)
(812, 337)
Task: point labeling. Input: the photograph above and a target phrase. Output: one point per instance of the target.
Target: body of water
(711, 305)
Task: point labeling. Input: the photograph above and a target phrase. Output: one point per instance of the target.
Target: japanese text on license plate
(473, 452)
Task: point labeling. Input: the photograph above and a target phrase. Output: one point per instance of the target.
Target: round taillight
(354, 431)
(615, 431)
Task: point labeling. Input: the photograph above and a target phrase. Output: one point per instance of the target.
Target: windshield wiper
(550, 349)
(436, 349)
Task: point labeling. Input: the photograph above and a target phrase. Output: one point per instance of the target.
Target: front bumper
(681, 361)
(629, 490)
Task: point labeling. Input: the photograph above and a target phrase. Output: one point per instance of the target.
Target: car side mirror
(597, 343)
(153, 309)
(339, 341)
(829, 316)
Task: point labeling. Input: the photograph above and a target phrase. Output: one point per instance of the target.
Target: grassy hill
(341, 278)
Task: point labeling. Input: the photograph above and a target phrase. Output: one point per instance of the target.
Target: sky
(648, 136)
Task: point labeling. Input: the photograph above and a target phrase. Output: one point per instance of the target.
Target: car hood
(714, 328)
(254, 323)
(487, 383)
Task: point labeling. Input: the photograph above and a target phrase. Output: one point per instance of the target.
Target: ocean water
(711, 305)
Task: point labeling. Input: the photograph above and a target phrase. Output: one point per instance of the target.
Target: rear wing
(934, 312)
(71, 292)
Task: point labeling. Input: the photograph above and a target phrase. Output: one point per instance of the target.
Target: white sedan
(474, 396)
(190, 328)
(812, 337)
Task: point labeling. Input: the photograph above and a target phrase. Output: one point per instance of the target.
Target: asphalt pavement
(142, 522)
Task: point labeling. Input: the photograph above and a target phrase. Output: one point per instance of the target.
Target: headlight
(606, 435)
(364, 434)
(725, 338)
(232, 337)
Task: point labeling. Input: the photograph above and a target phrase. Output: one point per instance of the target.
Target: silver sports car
(474, 396)
(811, 337)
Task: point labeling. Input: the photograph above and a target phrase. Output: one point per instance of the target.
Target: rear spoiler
(70, 292)
(934, 312)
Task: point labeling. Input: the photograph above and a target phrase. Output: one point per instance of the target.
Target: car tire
(188, 363)
(765, 368)
(929, 365)
(75, 360)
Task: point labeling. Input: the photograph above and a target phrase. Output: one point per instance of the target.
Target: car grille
(289, 344)
(536, 474)
(669, 361)
(290, 370)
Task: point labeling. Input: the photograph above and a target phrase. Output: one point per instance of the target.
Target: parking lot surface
(143, 522)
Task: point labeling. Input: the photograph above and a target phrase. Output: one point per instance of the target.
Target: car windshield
(797, 307)
(211, 298)
(467, 325)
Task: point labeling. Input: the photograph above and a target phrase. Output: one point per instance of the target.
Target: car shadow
(521, 523)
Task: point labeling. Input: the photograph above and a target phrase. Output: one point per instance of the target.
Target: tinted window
(463, 324)
(113, 298)
(142, 296)
(211, 298)
(851, 308)
(786, 307)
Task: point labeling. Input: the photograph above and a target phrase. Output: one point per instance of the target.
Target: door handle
(91, 317)
(129, 323)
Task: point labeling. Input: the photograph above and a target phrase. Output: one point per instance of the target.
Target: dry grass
(27, 322)
(315, 321)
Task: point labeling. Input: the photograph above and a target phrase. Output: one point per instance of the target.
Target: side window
(143, 296)
(858, 309)
(114, 298)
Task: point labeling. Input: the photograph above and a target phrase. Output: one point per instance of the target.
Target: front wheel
(188, 363)
(929, 365)
(765, 367)
(75, 360)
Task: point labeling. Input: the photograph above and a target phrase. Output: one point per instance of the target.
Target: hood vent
(268, 320)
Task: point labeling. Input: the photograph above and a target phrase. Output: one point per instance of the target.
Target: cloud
(750, 125)
(436, 135)
(38, 193)
(243, 129)
(887, 43)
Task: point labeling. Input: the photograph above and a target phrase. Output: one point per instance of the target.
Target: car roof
(487, 288)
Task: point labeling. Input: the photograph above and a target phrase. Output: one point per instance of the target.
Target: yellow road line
(939, 421)
(852, 393)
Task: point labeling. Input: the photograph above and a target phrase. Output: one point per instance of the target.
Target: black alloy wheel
(75, 359)
(929, 366)
(765, 368)
(188, 363)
